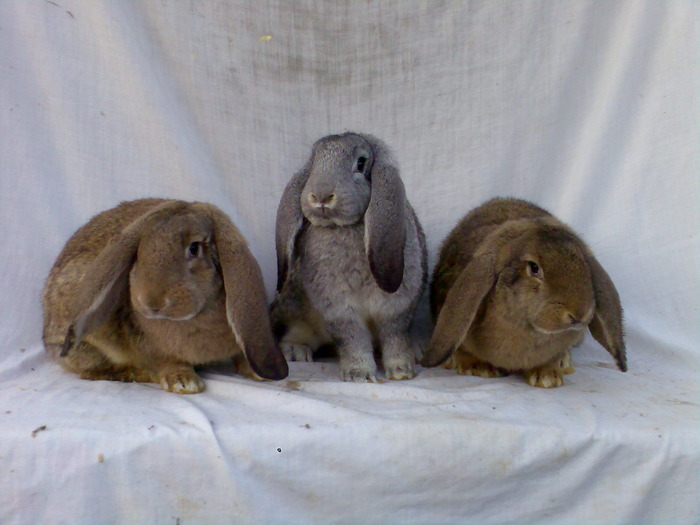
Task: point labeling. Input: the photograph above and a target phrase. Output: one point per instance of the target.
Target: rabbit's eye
(194, 250)
(360, 165)
(535, 269)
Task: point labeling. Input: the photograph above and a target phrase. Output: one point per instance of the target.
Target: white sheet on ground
(589, 109)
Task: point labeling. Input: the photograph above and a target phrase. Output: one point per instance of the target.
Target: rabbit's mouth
(321, 216)
(325, 217)
(558, 318)
(551, 330)
(152, 315)
(332, 209)
(168, 310)
(557, 326)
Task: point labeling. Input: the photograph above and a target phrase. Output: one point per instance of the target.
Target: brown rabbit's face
(549, 284)
(175, 273)
(338, 189)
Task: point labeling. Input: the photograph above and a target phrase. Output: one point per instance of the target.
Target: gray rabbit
(351, 260)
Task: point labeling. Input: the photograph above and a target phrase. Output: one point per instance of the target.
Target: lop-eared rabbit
(148, 289)
(513, 290)
(351, 260)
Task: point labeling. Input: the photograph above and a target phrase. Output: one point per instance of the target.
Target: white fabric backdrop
(589, 109)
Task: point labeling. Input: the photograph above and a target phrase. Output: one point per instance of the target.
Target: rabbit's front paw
(481, 369)
(181, 380)
(355, 375)
(545, 377)
(297, 352)
(400, 371)
(565, 364)
(468, 365)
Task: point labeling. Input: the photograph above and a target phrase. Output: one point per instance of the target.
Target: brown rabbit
(513, 290)
(148, 289)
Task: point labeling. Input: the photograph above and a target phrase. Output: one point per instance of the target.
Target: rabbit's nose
(153, 307)
(572, 320)
(578, 318)
(322, 200)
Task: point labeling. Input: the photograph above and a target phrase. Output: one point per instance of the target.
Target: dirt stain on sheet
(503, 467)
(606, 365)
(681, 402)
(38, 429)
(187, 506)
(292, 386)
(55, 4)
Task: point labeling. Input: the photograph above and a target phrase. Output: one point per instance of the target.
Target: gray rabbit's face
(338, 189)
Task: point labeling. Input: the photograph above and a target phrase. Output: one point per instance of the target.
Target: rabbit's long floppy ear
(246, 302)
(385, 224)
(460, 308)
(105, 283)
(606, 326)
(290, 219)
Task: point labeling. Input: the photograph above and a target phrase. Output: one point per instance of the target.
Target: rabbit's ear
(105, 284)
(290, 219)
(606, 326)
(385, 225)
(460, 308)
(246, 302)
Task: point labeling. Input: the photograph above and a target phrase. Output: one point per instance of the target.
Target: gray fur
(354, 271)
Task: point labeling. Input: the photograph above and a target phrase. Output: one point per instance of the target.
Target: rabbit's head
(348, 179)
(544, 280)
(338, 188)
(176, 271)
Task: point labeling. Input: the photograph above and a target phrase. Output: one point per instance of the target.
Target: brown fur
(127, 301)
(497, 313)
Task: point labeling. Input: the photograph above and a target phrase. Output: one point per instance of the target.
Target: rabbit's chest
(334, 258)
(205, 338)
(515, 345)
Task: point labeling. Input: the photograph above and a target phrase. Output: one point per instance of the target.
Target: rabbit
(148, 289)
(351, 259)
(513, 290)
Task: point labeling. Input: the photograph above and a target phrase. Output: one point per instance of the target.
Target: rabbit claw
(297, 352)
(359, 376)
(468, 365)
(181, 380)
(545, 377)
(400, 372)
(481, 370)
